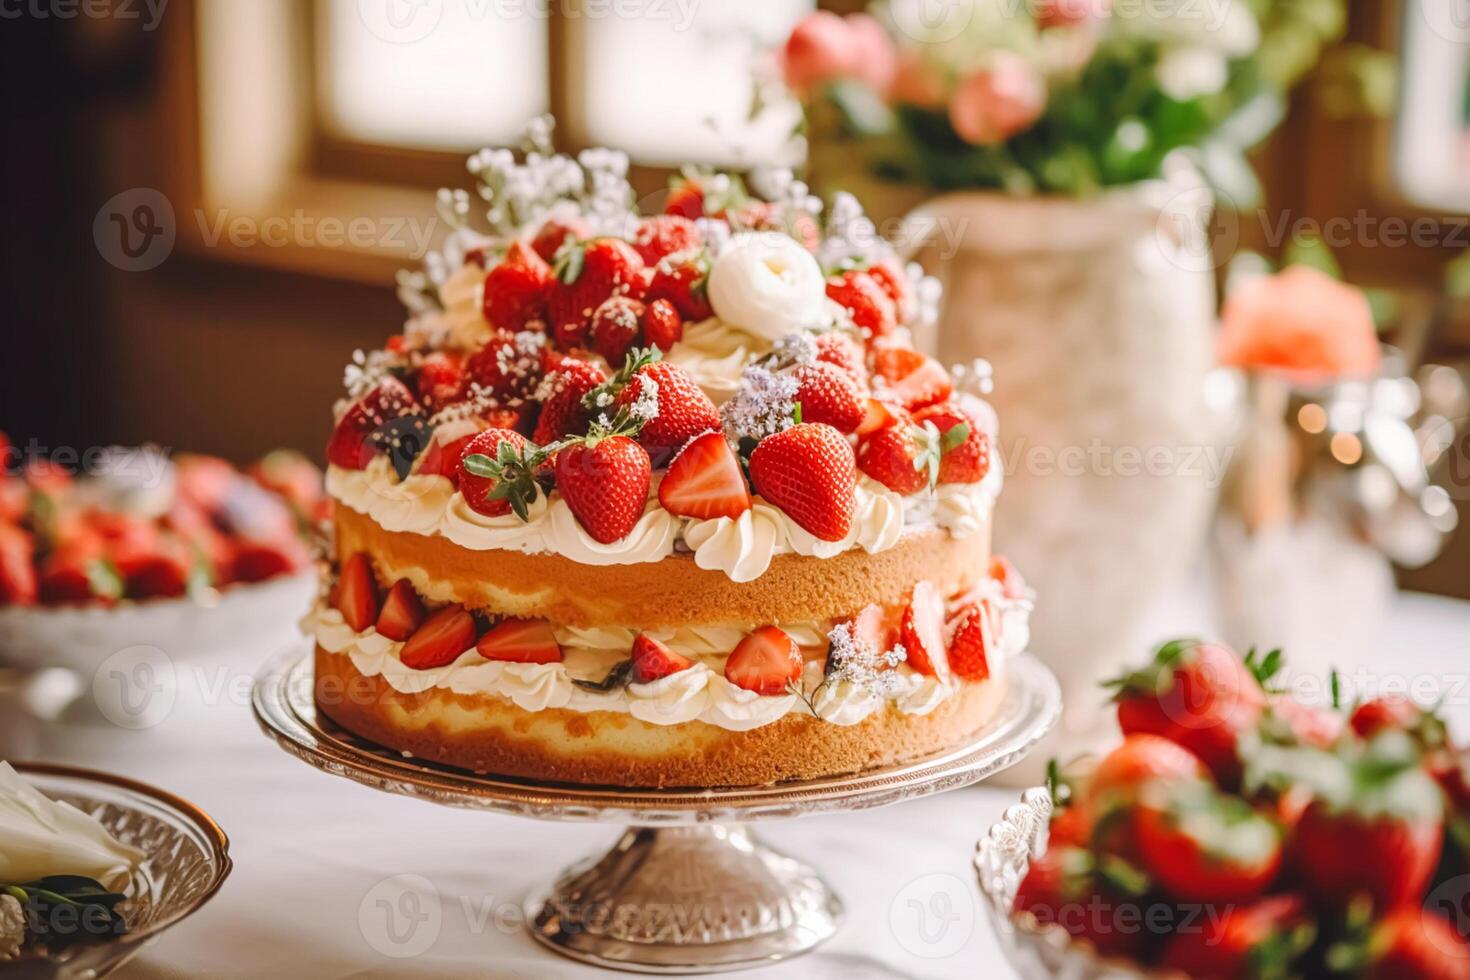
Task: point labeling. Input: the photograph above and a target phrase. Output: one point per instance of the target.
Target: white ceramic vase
(1097, 316)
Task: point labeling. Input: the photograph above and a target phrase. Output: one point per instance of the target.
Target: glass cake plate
(185, 860)
(687, 888)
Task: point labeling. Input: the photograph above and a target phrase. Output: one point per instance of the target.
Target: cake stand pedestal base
(687, 888)
(694, 899)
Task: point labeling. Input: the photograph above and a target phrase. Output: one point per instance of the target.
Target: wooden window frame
(308, 172)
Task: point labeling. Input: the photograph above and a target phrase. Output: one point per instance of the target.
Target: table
(335, 881)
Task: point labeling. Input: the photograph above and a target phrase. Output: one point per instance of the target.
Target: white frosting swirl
(651, 539)
(767, 284)
(469, 528)
(416, 504)
(741, 547)
(673, 700)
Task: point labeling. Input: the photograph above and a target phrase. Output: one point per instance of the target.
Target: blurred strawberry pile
(139, 525)
(1239, 833)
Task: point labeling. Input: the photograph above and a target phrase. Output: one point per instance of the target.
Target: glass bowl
(186, 859)
(1036, 950)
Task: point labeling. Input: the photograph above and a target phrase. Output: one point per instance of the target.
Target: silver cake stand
(687, 888)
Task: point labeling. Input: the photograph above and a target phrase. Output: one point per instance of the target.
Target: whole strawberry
(665, 234)
(840, 349)
(682, 278)
(1065, 886)
(555, 232)
(890, 276)
(516, 290)
(965, 447)
(616, 327)
(508, 367)
(587, 274)
(1416, 944)
(1139, 760)
(827, 394)
(604, 479)
(1262, 939)
(900, 457)
(1196, 694)
(683, 409)
(562, 410)
(809, 472)
(870, 307)
(1375, 830)
(686, 198)
(496, 475)
(663, 327)
(1202, 845)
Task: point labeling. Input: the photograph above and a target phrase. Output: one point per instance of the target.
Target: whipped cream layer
(742, 548)
(698, 693)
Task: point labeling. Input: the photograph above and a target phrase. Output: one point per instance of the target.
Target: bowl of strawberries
(1237, 832)
(134, 547)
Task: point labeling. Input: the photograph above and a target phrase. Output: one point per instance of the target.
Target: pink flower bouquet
(1051, 96)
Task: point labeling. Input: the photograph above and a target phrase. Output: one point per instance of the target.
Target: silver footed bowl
(186, 859)
(1037, 950)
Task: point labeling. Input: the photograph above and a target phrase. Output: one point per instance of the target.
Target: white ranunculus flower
(42, 837)
(1188, 73)
(766, 284)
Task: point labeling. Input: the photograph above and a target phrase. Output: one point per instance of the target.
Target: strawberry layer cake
(663, 500)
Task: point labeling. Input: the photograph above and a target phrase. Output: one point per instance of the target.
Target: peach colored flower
(821, 48)
(917, 82)
(875, 58)
(997, 102)
(1300, 321)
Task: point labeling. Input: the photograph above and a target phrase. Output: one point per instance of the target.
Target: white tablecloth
(314, 854)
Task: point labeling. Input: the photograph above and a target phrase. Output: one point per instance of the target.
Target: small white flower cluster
(609, 205)
(365, 371)
(780, 186)
(417, 292)
(860, 663)
(763, 405)
(977, 377)
(850, 233)
(645, 407)
(927, 291)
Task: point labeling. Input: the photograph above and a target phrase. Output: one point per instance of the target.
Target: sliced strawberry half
(704, 481)
(767, 662)
(653, 660)
(922, 632)
(440, 640)
(403, 612)
(357, 592)
(967, 628)
(521, 641)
